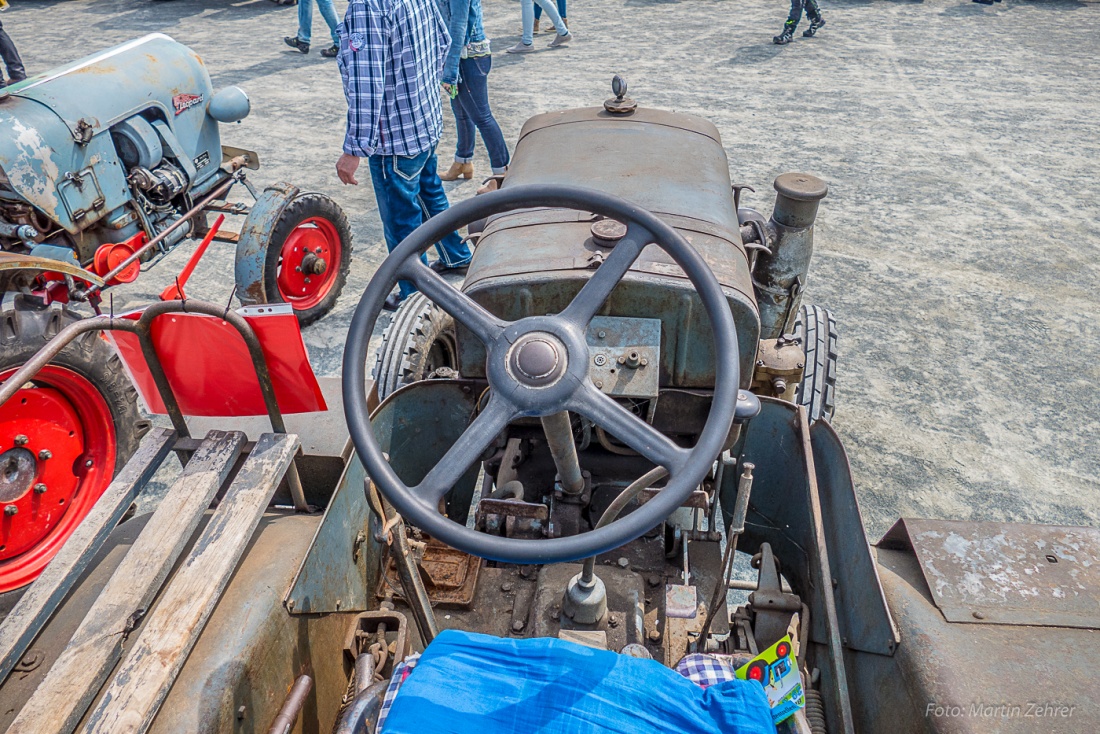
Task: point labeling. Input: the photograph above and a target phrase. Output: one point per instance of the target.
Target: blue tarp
(468, 683)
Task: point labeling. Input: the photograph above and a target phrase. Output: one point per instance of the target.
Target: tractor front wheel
(816, 327)
(63, 436)
(418, 344)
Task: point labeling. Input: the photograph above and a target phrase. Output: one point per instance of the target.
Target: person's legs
(328, 12)
(464, 126)
(813, 12)
(790, 24)
(563, 9)
(14, 64)
(527, 8)
(305, 20)
(473, 94)
(795, 15)
(398, 204)
(452, 250)
(552, 14)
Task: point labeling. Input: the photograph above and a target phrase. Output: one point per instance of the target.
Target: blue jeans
(408, 192)
(562, 7)
(305, 19)
(527, 8)
(471, 109)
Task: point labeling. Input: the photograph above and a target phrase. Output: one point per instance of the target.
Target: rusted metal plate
(1007, 573)
(681, 602)
(625, 356)
(450, 576)
(333, 575)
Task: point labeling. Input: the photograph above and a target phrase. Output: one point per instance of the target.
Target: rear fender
(255, 237)
(14, 267)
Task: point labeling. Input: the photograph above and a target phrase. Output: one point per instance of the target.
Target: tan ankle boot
(465, 170)
(536, 31)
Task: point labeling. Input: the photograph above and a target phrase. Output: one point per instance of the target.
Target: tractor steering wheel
(538, 366)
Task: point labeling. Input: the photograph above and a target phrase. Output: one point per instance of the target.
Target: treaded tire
(25, 327)
(816, 328)
(306, 206)
(419, 340)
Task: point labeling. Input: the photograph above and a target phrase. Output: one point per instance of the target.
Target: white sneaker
(522, 48)
(561, 40)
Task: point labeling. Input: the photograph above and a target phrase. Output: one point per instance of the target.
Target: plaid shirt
(391, 57)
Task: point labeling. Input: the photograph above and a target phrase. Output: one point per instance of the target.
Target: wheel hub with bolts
(55, 445)
(305, 278)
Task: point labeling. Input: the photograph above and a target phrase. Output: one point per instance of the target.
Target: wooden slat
(59, 703)
(34, 608)
(132, 698)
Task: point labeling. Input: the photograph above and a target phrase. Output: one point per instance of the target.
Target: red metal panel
(209, 368)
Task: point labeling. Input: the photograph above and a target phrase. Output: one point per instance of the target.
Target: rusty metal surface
(1007, 573)
(252, 650)
(450, 576)
(973, 678)
(536, 260)
(255, 236)
(10, 261)
(625, 355)
(681, 602)
(333, 573)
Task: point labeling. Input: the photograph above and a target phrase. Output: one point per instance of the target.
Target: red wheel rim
(313, 241)
(782, 650)
(57, 456)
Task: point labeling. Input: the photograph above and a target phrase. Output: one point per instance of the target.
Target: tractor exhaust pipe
(780, 275)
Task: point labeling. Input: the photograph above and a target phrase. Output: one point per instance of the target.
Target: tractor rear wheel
(419, 343)
(308, 256)
(816, 327)
(63, 436)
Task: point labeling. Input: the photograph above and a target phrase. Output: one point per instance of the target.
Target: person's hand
(451, 90)
(346, 167)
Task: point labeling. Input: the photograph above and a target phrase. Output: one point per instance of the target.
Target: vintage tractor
(573, 452)
(106, 165)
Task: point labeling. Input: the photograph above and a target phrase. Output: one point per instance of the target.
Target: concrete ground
(958, 248)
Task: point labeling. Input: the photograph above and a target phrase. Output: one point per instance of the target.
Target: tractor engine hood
(55, 127)
(534, 261)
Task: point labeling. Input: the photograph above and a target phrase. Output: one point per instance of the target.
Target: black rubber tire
(297, 211)
(26, 326)
(816, 328)
(419, 341)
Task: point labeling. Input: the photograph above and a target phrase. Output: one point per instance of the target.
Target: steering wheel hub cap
(538, 359)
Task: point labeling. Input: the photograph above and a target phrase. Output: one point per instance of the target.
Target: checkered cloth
(391, 60)
(400, 673)
(705, 670)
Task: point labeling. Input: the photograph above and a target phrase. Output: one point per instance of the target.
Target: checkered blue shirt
(391, 59)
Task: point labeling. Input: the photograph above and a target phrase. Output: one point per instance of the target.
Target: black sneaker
(785, 37)
(814, 26)
(441, 267)
(293, 42)
(331, 51)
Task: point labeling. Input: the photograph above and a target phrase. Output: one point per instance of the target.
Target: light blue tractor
(106, 165)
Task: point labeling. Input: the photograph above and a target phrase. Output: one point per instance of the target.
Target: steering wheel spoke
(536, 366)
(602, 410)
(493, 419)
(463, 308)
(596, 291)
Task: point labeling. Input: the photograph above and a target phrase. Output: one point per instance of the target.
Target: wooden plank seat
(159, 651)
